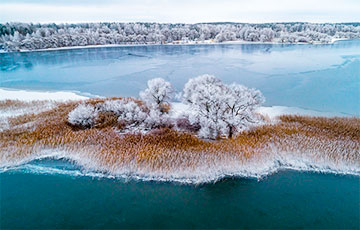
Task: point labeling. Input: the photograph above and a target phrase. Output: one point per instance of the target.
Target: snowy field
(24, 95)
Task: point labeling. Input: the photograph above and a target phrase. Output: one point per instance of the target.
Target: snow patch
(24, 95)
(274, 111)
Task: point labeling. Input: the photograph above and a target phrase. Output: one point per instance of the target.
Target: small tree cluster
(151, 113)
(217, 109)
(220, 109)
(127, 111)
(158, 94)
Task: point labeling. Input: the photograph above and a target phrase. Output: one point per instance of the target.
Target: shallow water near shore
(286, 199)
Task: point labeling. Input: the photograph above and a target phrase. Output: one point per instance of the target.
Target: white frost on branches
(83, 116)
(156, 119)
(151, 113)
(217, 109)
(27, 36)
(126, 110)
(157, 97)
(158, 93)
(221, 110)
(132, 113)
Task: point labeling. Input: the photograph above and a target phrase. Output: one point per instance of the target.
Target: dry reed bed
(17, 104)
(335, 140)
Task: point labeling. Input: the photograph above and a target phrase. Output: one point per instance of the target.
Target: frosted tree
(157, 97)
(221, 110)
(240, 105)
(205, 95)
(24, 36)
(158, 94)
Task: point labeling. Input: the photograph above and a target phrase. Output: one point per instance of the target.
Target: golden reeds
(337, 139)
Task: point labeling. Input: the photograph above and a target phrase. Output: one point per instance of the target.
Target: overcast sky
(186, 11)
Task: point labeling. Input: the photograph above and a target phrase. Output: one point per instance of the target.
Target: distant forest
(27, 36)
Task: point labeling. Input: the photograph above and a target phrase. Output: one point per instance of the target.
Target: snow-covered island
(217, 130)
(28, 36)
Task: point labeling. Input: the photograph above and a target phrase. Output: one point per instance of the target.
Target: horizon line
(217, 22)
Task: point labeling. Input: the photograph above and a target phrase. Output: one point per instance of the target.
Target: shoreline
(207, 42)
(303, 143)
(30, 166)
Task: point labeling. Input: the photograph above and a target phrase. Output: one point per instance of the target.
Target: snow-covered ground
(48, 101)
(275, 111)
(25, 95)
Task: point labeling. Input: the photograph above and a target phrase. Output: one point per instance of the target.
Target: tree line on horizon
(15, 36)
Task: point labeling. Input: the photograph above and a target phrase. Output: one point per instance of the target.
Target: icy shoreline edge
(239, 42)
(80, 170)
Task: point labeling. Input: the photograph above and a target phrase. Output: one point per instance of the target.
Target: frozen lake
(318, 77)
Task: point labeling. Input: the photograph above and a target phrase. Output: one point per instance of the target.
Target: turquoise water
(317, 77)
(286, 199)
(55, 194)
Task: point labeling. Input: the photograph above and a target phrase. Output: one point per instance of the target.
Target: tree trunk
(230, 132)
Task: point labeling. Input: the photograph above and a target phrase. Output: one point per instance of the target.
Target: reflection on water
(318, 77)
(14, 61)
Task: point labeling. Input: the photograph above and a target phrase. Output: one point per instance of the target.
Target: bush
(127, 111)
(83, 116)
(132, 113)
(155, 119)
(184, 124)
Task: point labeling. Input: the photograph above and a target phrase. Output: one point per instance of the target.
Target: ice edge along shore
(208, 42)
